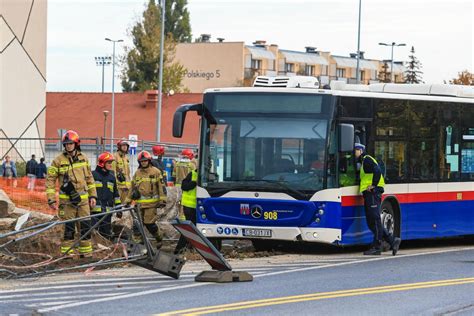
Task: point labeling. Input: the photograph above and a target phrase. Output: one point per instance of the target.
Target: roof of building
(83, 112)
(304, 58)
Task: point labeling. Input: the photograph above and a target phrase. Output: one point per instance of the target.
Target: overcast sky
(440, 30)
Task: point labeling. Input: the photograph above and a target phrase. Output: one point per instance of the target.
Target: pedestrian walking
(9, 171)
(31, 172)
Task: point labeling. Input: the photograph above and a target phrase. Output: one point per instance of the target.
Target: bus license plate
(250, 232)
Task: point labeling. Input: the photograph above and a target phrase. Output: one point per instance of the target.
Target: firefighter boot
(85, 248)
(66, 249)
(159, 241)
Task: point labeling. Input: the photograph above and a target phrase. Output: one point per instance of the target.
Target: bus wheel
(390, 221)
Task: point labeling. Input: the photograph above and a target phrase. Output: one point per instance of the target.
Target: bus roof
(434, 92)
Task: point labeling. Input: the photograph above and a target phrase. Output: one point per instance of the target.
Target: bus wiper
(283, 185)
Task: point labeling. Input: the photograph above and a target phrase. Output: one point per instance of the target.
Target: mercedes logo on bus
(256, 211)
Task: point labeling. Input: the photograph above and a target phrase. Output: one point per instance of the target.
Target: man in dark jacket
(41, 170)
(107, 193)
(31, 172)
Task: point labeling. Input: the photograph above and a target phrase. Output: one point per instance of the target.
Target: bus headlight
(317, 220)
(201, 208)
(321, 212)
(206, 231)
(315, 235)
(203, 216)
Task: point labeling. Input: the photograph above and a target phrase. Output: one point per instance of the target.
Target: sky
(440, 30)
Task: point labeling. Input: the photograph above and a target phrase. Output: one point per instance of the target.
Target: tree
(141, 62)
(413, 66)
(384, 74)
(177, 20)
(464, 77)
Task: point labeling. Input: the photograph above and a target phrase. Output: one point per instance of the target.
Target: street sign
(133, 151)
(133, 140)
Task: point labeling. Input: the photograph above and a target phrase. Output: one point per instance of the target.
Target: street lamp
(105, 128)
(160, 85)
(391, 66)
(102, 61)
(113, 92)
(358, 46)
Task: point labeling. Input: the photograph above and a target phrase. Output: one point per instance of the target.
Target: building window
(256, 64)
(309, 70)
(362, 75)
(340, 72)
(289, 67)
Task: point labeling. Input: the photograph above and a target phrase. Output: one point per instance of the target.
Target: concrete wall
(23, 72)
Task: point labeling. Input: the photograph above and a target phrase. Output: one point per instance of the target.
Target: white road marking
(61, 298)
(180, 287)
(48, 304)
(65, 292)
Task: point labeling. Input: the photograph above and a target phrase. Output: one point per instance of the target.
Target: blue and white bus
(276, 163)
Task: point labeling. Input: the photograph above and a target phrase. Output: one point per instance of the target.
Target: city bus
(276, 160)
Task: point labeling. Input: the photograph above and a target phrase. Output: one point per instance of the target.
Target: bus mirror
(180, 117)
(346, 137)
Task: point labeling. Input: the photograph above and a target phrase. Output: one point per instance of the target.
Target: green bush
(20, 169)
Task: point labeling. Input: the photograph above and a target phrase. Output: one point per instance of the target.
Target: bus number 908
(270, 216)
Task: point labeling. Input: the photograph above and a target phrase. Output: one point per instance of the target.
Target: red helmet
(71, 137)
(144, 155)
(188, 153)
(103, 158)
(121, 142)
(158, 150)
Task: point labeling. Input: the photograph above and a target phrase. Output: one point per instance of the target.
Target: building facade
(22, 76)
(224, 64)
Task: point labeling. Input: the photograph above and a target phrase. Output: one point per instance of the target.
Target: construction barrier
(24, 195)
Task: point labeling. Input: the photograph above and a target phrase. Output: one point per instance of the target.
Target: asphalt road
(432, 279)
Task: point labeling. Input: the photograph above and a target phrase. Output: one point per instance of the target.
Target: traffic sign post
(222, 271)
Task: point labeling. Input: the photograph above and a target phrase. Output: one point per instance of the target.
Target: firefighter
(149, 192)
(371, 186)
(77, 193)
(107, 193)
(159, 152)
(183, 166)
(121, 168)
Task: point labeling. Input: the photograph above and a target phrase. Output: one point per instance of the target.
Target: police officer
(121, 168)
(149, 192)
(77, 193)
(188, 202)
(371, 187)
(107, 193)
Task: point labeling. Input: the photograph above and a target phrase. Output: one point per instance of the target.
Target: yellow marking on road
(318, 296)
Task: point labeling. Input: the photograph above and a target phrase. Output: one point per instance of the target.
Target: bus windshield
(278, 152)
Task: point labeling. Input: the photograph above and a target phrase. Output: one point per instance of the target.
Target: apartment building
(224, 64)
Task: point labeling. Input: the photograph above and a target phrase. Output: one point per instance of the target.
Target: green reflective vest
(188, 198)
(366, 178)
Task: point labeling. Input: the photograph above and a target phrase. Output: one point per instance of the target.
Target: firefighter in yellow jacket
(121, 167)
(77, 193)
(149, 192)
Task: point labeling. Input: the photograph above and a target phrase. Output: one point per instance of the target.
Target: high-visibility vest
(366, 178)
(188, 198)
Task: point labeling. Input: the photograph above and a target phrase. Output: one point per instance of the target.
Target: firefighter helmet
(188, 153)
(144, 155)
(121, 142)
(71, 137)
(158, 150)
(103, 158)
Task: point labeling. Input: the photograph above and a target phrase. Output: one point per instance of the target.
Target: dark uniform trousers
(372, 201)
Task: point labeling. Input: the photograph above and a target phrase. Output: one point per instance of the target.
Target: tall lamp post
(358, 46)
(102, 61)
(391, 66)
(160, 85)
(113, 92)
(105, 129)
